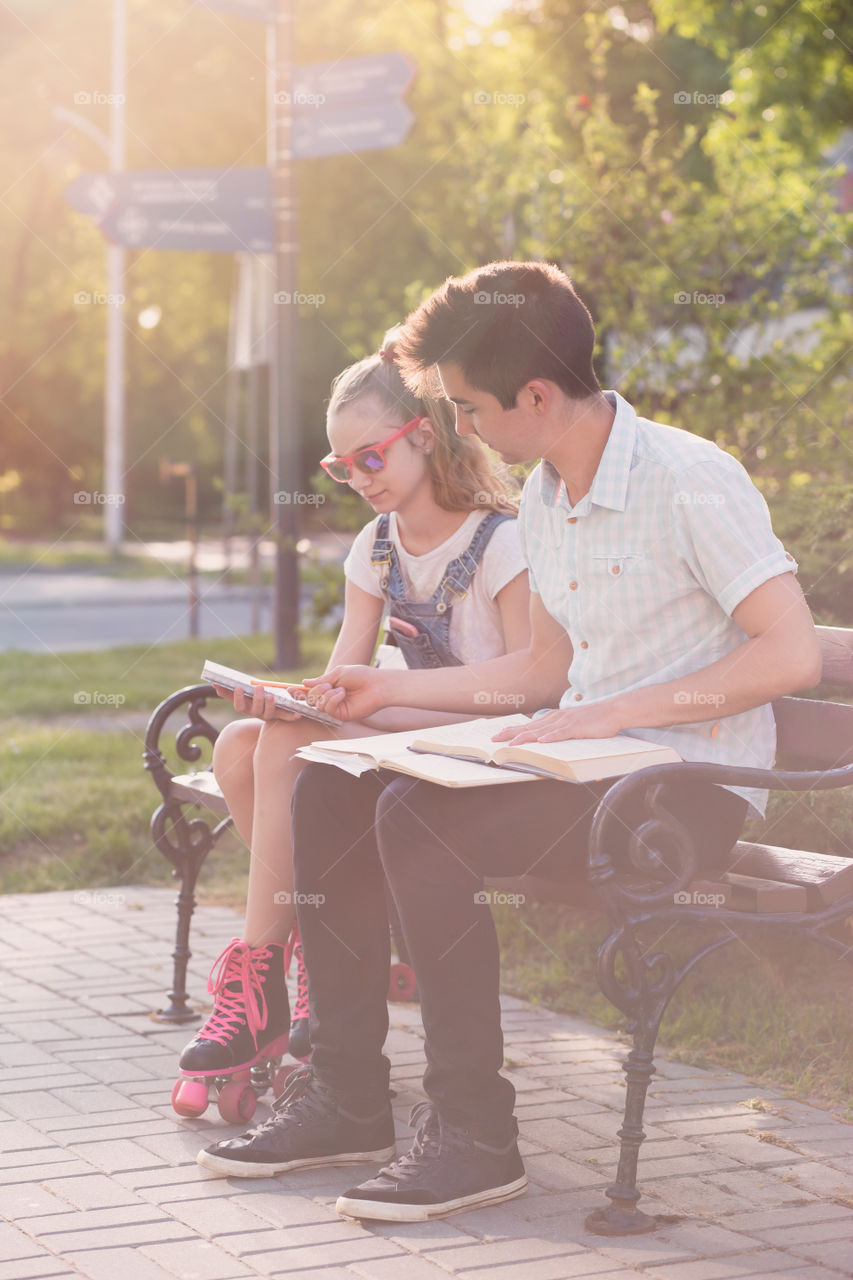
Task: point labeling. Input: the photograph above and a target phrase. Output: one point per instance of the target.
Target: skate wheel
(403, 984)
(237, 1102)
(189, 1097)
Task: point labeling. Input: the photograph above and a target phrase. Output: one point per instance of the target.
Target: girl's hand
(261, 703)
(350, 693)
(599, 721)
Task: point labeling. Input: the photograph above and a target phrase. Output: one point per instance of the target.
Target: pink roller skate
(239, 1048)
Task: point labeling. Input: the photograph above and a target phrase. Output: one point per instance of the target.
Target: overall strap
(458, 574)
(383, 557)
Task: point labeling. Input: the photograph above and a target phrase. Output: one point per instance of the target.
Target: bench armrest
(660, 849)
(194, 697)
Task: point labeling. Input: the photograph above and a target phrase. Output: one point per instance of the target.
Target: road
(56, 611)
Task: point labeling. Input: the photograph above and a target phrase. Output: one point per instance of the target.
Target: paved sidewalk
(98, 1176)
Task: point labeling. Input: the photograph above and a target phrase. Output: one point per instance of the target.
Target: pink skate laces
(294, 948)
(238, 963)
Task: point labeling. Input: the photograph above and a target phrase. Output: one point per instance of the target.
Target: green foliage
(553, 134)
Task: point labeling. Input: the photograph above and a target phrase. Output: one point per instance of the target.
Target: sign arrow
(379, 75)
(366, 127)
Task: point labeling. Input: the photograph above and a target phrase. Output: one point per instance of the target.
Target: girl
(442, 561)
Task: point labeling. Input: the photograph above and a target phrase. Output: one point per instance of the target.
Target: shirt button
(578, 697)
(584, 644)
(573, 586)
(616, 569)
(573, 519)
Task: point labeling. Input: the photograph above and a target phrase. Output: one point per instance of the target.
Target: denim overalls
(431, 647)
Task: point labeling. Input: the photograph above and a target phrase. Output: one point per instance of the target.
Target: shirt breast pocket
(617, 565)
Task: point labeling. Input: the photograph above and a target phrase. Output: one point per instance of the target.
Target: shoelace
(304, 1095)
(246, 1003)
(431, 1137)
(294, 948)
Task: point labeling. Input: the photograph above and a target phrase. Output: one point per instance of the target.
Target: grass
(75, 804)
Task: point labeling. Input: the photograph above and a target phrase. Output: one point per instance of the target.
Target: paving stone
(678, 1243)
(92, 1191)
(29, 1201)
(16, 1244)
(111, 1157)
(402, 1267)
(756, 1188)
(559, 1268)
(130, 1236)
(560, 1174)
(829, 1253)
(808, 1233)
(61, 1167)
(344, 1252)
(45, 1264)
(757, 1222)
(766, 1262)
(197, 1260)
(280, 1209)
(822, 1179)
(108, 1263)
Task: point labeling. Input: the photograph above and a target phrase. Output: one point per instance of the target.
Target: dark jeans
(435, 845)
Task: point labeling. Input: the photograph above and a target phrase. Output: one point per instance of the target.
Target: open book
(215, 673)
(463, 755)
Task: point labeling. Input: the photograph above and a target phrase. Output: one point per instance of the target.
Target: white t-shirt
(476, 632)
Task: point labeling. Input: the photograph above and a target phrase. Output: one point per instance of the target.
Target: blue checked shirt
(645, 571)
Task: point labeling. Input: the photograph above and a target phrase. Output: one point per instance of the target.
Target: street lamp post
(114, 426)
(284, 397)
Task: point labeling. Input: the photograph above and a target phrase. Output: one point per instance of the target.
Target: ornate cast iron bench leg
(185, 842)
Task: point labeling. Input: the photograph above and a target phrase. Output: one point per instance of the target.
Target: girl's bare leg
(253, 766)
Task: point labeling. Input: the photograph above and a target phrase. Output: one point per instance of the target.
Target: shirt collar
(610, 484)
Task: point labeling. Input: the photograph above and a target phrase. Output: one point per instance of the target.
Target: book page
(589, 759)
(468, 737)
(378, 745)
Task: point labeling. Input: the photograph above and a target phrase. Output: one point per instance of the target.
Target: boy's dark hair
(503, 325)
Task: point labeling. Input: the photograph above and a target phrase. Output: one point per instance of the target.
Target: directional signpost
(324, 109)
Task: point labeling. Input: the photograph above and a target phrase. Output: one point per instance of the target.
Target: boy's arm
(522, 681)
(780, 656)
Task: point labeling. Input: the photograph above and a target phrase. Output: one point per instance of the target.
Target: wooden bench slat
(827, 879)
(816, 733)
(836, 651)
(201, 789)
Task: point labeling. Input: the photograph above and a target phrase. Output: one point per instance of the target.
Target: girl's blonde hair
(464, 475)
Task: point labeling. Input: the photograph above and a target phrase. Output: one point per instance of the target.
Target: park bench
(790, 892)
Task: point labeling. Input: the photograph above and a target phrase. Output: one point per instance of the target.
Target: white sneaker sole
(386, 1211)
(244, 1169)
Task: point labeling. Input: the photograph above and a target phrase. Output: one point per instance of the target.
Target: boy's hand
(350, 693)
(599, 721)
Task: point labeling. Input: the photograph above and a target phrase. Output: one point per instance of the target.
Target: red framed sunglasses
(368, 460)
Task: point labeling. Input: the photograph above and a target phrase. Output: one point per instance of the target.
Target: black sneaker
(447, 1171)
(309, 1126)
